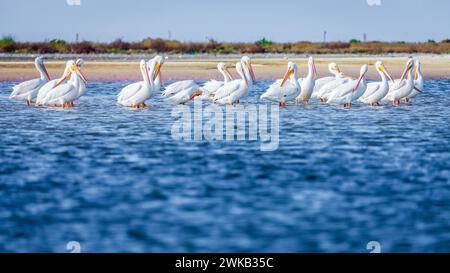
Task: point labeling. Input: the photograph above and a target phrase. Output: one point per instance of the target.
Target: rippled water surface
(114, 179)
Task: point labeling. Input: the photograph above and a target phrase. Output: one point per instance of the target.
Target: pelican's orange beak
(286, 76)
(228, 74)
(195, 94)
(359, 81)
(62, 79)
(46, 72)
(157, 71)
(407, 68)
(386, 72)
(250, 68)
(80, 74)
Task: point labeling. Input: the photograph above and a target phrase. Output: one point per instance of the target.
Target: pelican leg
(345, 105)
(349, 105)
(28, 102)
(378, 104)
(72, 104)
(406, 99)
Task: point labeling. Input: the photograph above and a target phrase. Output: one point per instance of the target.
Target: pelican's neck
(419, 73)
(310, 71)
(74, 79)
(226, 78)
(40, 69)
(410, 79)
(384, 79)
(144, 76)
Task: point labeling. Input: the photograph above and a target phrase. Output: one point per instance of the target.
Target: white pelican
(159, 61)
(284, 90)
(418, 81)
(327, 89)
(402, 88)
(350, 91)
(65, 94)
(177, 87)
(375, 91)
(135, 94)
(82, 87)
(334, 70)
(28, 90)
(210, 87)
(232, 92)
(46, 88)
(184, 95)
(307, 83)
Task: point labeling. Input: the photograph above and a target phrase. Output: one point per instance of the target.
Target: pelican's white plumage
(184, 95)
(418, 81)
(82, 87)
(210, 87)
(179, 86)
(319, 83)
(284, 90)
(403, 87)
(375, 91)
(65, 93)
(233, 91)
(28, 90)
(135, 94)
(48, 87)
(350, 91)
(307, 84)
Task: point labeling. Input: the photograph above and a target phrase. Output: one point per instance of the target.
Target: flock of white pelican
(335, 89)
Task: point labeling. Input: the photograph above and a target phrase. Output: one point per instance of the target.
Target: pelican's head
(157, 61)
(39, 63)
(245, 60)
(39, 60)
(71, 67)
(334, 68)
(408, 67)
(291, 70)
(144, 71)
(75, 69)
(80, 63)
(379, 66)
(222, 67)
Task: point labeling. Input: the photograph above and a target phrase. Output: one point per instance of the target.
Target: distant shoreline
(119, 67)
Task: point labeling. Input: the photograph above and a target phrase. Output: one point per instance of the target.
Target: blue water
(115, 180)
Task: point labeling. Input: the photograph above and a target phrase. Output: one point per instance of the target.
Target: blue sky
(226, 20)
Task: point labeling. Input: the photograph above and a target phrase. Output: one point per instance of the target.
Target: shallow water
(114, 179)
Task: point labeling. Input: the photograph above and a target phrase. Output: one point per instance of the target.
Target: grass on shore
(149, 45)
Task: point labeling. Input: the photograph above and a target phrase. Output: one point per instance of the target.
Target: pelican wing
(58, 92)
(25, 87)
(371, 89)
(227, 89)
(179, 86)
(45, 89)
(211, 86)
(396, 85)
(129, 91)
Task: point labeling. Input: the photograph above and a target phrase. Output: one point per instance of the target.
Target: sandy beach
(204, 67)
